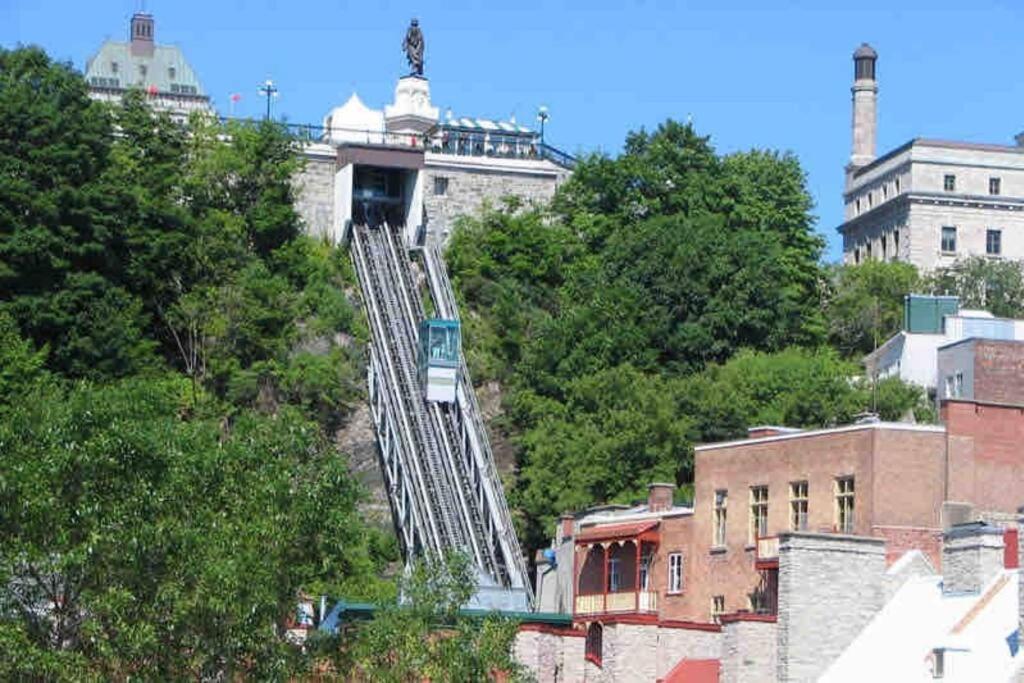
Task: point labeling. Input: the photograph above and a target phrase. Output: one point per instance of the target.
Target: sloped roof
(693, 671)
(114, 66)
(611, 532)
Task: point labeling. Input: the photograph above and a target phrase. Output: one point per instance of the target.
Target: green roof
(114, 66)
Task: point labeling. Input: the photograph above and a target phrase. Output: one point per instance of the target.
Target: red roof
(693, 671)
(611, 532)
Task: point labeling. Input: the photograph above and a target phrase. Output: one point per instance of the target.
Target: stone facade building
(159, 71)
(927, 202)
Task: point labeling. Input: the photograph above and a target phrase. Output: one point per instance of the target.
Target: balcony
(632, 602)
(767, 553)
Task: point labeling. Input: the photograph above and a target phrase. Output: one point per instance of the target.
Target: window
(645, 572)
(858, 207)
(614, 575)
(958, 384)
(938, 663)
(721, 502)
(948, 240)
(867, 251)
(897, 186)
(950, 386)
(798, 506)
(758, 513)
(171, 72)
(993, 242)
(844, 504)
(896, 244)
(885, 192)
(675, 573)
(717, 608)
(114, 66)
(994, 185)
(593, 648)
(871, 200)
(142, 70)
(856, 255)
(949, 183)
(885, 247)
(440, 185)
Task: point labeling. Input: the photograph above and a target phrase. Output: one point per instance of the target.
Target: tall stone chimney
(972, 554)
(141, 34)
(659, 496)
(865, 109)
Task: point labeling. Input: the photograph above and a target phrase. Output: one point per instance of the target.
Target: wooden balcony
(767, 553)
(622, 602)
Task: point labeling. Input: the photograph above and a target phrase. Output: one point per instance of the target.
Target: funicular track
(438, 467)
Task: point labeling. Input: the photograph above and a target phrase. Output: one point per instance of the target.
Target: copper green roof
(115, 67)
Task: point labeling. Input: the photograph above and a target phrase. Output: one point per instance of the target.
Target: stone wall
(466, 189)
(749, 646)
(551, 655)
(314, 191)
(972, 554)
(686, 642)
(830, 586)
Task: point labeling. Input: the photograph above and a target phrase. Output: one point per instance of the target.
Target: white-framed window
(645, 572)
(675, 573)
(798, 506)
(614, 574)
(958, 384)
(845, 490)
(758, 513)
(721, 504)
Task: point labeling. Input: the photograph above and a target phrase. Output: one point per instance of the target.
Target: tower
(865, 106)
(141, 35)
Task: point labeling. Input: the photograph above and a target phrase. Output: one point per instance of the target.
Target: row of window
(843, 492)
(995, 184)
(172, 72)
(865, 252)
(993, 240)
(995, 187)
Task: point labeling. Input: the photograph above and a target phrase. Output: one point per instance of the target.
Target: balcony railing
(767, 553)
(617, 603)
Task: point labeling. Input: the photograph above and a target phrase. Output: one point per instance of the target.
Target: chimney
(865, 100)
(659, 496)
(566, 527)
(972, 554)
(141, 35)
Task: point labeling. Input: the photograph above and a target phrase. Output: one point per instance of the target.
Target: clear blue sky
(751, 73)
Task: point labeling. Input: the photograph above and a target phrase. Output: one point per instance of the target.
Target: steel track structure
(442, 484)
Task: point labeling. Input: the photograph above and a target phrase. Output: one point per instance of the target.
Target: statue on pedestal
(413, 48)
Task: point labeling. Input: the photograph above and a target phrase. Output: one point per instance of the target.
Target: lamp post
(542, 116)
(268, 90)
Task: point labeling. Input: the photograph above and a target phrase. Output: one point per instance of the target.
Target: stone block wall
(314, 192)
(972, 555)
(697, 641)
(466, 191)
(552, 655)
(830, 586)
(749, 648)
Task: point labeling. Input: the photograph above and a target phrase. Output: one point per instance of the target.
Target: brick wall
(830, 587)
(985, 454)
(898, 540)
(749, 648)
(999, 371)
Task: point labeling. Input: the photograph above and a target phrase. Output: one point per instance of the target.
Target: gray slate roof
(114, 66)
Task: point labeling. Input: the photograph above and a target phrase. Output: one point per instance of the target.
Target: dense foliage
(670, 295)
(174, 360)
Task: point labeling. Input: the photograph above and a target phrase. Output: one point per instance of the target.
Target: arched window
(593, 651)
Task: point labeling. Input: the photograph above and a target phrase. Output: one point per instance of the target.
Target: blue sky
(750, 73)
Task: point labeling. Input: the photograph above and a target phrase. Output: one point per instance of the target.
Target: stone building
(927, 202)
(454, 166)
(160, 71)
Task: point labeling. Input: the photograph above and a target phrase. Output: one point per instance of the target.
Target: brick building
(789, 530)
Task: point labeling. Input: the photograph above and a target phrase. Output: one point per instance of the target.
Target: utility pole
(268, 90)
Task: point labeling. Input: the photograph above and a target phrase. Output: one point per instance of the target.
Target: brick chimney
(659, 496)
(972, 554)
(566, 527)
(141, 34)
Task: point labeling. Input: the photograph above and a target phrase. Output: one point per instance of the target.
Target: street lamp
(268, 90)
(542, 116)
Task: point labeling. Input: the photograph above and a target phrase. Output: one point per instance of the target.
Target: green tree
(993, 285)
(427, 637)
(864, 305)
(144, 540)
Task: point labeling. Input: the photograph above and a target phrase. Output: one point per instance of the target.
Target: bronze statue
(413, 47)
